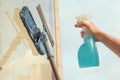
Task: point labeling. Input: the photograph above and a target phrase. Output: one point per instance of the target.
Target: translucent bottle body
(87, 53)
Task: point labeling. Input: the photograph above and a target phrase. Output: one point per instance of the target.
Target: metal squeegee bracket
(45, 25)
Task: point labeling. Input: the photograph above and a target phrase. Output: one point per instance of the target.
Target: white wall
(19, 59)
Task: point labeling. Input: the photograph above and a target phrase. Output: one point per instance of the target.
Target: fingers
(86, 24)
(80, 24)
(82, 33)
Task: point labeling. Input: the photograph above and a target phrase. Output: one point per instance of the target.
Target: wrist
(101, 36)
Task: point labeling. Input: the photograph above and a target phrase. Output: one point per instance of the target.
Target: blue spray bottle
(87, 53)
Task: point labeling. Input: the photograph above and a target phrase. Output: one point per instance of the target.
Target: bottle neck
(88, 37)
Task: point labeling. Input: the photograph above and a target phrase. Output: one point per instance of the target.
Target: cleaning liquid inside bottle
(87, 53)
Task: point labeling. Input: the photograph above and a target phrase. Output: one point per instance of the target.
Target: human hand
(91, 27)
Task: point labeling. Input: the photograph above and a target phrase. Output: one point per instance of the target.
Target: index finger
(78, 24)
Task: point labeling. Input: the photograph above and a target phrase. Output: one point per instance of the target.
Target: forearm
(111, 42)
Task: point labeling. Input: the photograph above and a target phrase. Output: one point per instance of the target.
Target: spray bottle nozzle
(84, 18)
